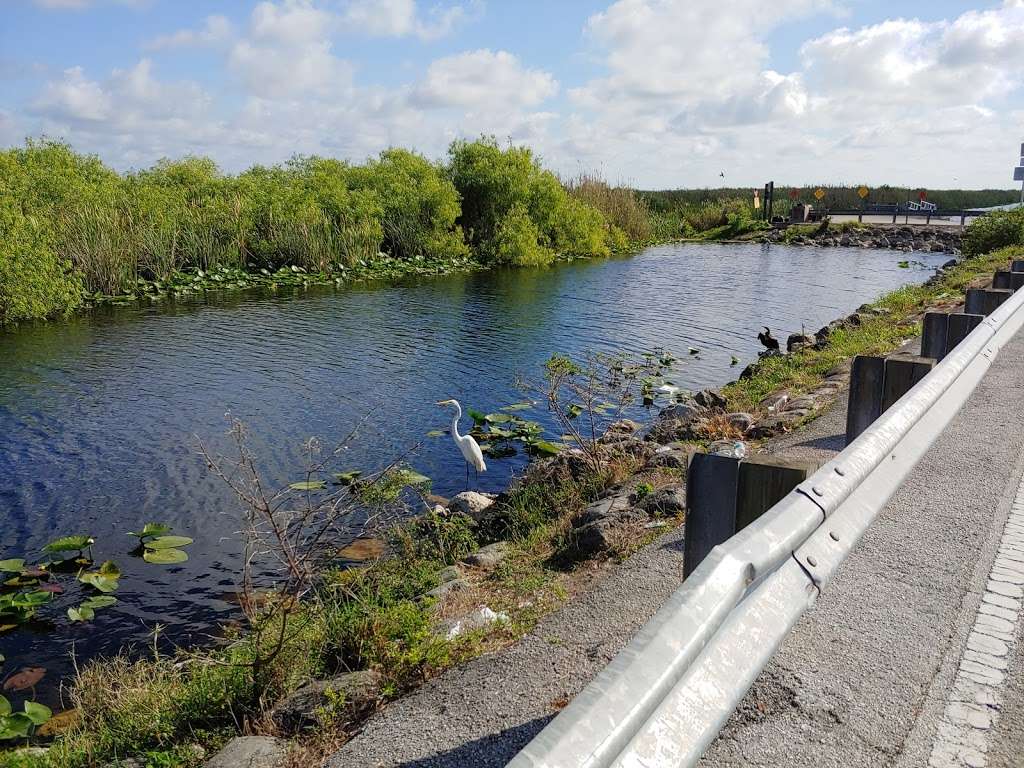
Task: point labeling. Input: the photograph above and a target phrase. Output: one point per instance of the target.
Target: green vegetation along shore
(381, 621)
(74, 232)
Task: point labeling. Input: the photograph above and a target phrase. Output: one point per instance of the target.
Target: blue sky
(659, 93)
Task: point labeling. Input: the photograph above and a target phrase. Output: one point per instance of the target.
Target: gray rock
(776, 401)
(804, 401)
(741, 421)
(250, 752)
(489, 556)
(682, 412)
(623, 425)
(354, 692)
(709, 398)
(451, 573)
(798, 341)
(670, 500)
(605, 533)
(949, 264)
(677, 422)
(669, 457)
(445, 588)
(602, 509)
(470, 503)
(776, 424)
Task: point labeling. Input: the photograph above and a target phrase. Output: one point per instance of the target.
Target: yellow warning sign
(863, 192)
(819, 193)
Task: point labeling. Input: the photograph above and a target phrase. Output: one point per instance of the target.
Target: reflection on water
(99, 416)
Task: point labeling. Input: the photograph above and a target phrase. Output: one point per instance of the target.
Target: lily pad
(168, 542)
(5, 706)
(109, 568)
(69, 544)
(100, 581)
(544, 448)
(16, 726)
(150, 530)
(164, 556)
(435, 433)
(497, 418)
(308, 485)
(14, 565)
(99, 601)
(81, 613)
(37, 713)
(517, 407)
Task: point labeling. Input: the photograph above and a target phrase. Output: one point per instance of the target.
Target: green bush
(996, 230)
(419, 205)
(500, 188)
(34, 280)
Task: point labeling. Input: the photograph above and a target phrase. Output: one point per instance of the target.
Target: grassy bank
(73, 231)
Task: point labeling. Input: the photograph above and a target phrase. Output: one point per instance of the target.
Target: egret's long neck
(455, 421)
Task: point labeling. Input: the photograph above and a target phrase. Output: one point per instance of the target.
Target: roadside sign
(1018, 173)
(794, 194)
(757, 199)
(922, 195)
(819, 193)
(863, 192)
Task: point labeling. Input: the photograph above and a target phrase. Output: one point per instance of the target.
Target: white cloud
(401, 18)
(288, 52)
(483, 78)
(215, 31)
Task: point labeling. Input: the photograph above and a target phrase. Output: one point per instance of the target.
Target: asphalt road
(862, 681)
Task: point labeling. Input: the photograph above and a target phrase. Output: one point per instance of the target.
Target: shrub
(622, 207)
(34, 280)
(996, 230)
(419, 205)
(516, 241)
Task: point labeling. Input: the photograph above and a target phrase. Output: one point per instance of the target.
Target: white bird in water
(470, 448)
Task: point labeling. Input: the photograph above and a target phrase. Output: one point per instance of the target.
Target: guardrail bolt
(812, 562)
(833, 535)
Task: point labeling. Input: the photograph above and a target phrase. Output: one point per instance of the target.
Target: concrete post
(764, 480)
(1008, 280)
(901, 373)
(984, 301)
(933, 336)
(959, 325)
(712, 483)
(865, 402)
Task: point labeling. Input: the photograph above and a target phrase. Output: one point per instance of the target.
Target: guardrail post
(865, 402)
(712, 484)
(985, 301)
(960, 324)
(902, 372)
(764, 480)
(933, 335)
(725, 495)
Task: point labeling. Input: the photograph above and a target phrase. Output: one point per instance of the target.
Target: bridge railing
(664, 698)
(907, 215)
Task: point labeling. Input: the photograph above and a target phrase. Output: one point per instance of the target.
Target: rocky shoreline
(900, 237)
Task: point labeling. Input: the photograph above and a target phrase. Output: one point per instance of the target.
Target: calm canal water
(99, 416)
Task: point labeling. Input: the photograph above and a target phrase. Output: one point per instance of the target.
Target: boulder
(670, 500)
(672, 456)
(628, 426)
(709, 398)
(677, 422)
(605, 533)
(808, 402)
(490, 556)
(776, 424)
(470, 503)
(605, 508)
(776, 401)
(798, 341)
(354, 692)
(451, 573)
(741, 421)
(445, 588)
(250, 752)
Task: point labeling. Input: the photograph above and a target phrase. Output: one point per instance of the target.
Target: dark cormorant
(766, 338)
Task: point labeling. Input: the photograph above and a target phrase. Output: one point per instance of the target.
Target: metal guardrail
(663, 699)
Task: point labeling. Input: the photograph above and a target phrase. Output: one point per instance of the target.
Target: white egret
(470, 449)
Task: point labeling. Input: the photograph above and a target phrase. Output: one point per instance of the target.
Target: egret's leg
(467, 476)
